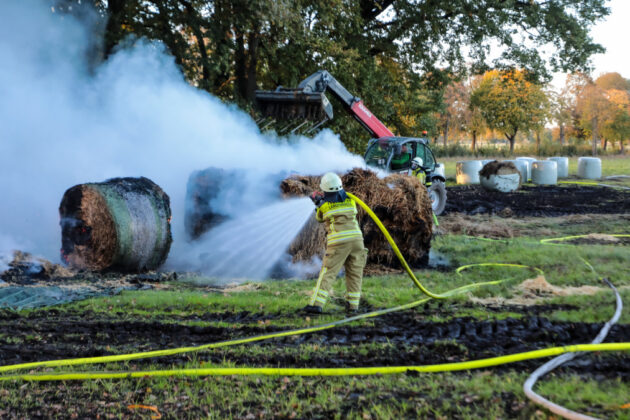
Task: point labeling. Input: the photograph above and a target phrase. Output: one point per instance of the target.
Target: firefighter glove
(317, 198)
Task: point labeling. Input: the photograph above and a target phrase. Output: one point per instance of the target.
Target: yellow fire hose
(550, 241)
(182, 350)
(378, 370)
(303, 371)
(406, 266)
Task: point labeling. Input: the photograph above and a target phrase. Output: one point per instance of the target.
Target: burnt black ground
(593, 241)
(550, 200)
(43, 335)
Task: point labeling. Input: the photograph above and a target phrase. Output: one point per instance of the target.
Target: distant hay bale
(400, 201)
(122, 223)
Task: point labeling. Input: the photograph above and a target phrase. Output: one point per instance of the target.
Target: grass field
(185, 313)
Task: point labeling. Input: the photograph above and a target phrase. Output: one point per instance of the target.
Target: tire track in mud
(406, 337)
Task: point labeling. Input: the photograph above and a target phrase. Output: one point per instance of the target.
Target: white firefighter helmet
(330, 182)
(417, 163)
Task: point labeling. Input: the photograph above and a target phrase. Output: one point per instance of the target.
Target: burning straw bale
(203, 186)
(212, 195)
(400, 201)
(122, 223)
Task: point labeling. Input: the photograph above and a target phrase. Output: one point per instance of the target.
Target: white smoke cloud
(61, 125)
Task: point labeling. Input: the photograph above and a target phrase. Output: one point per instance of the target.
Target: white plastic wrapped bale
(563, 165)
(544, 172)
(529, 161)
(521, 165)
(590, 167)
(467, 172)
(500, 176)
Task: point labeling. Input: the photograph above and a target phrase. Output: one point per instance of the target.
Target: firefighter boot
(311, 309)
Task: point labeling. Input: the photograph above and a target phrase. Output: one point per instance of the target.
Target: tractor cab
(394, 154)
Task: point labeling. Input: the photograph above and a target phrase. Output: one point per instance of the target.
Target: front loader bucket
(293, 104)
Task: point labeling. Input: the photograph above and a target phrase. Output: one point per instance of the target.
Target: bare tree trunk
(538, 143)
(240, 67)
(605, 141)
(511, 140)
(561, 134)
(246, 61)
(113, 29)
(595, 139)
(474, 140)
(253, 41)
(445, 132)
(194, 23)
(621, 149)
(222, 49)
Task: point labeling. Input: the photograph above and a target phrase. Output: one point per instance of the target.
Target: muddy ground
(539, 201)
(45, 335)
(402, 338)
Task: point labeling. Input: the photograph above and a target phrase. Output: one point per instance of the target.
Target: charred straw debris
(400, 201)
(498, 168)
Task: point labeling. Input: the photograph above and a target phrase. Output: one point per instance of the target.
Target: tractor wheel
(437, 193)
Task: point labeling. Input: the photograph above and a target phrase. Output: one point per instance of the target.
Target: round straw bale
(122, 224)
(400, 201)
(203, 186)
(214, 195)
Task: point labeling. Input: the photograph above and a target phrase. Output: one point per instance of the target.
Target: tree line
(507, 103)
(402, 57)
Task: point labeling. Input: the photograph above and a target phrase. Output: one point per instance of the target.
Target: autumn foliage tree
(510, 103)
(616, 126)
(397, 55)
(455, 106)
(603, 108)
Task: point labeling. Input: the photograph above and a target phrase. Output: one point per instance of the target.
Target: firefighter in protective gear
(344, 244)
(417, 170)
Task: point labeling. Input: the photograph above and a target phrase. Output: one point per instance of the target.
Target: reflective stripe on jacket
(340, 221)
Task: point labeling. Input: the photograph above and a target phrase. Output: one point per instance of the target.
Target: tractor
(306, 108)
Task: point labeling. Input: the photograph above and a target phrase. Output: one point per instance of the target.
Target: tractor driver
(344, 244)
(401, 160)
(417, 169)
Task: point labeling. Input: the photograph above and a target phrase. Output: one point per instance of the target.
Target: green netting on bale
(25, 297)
(141, 219)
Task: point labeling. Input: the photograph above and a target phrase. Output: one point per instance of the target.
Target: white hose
(557, 361)
(614, 186)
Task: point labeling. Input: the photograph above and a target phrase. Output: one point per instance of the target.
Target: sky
(613, 34)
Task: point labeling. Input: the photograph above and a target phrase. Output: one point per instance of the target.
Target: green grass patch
(475, 394)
